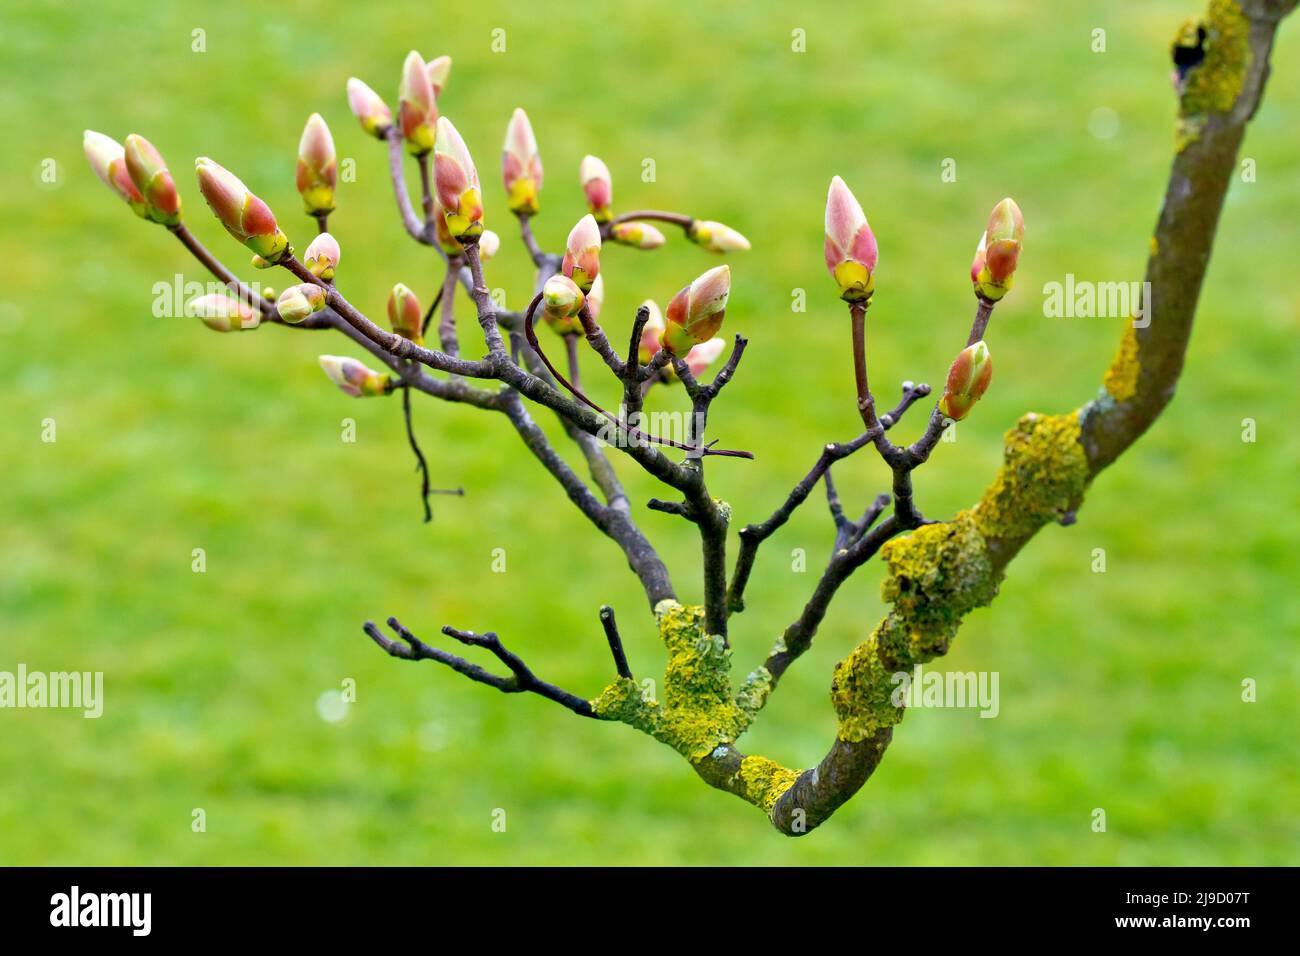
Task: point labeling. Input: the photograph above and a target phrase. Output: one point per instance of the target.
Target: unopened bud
(521, 166)
(318, 170)
(221, 313)
(457, 182)
(596, 297)
(417, 111)
(108, 160)
(581, 261)
(298, 302)
(352, 377)
(850, 246)
(598, 186)
(994, 266)
(968, 378)
(561, 302)
(405, 315)
(489, 244)
(322, 256)
(243, 214)
(151, 177)
(369, 108)
(696, 312)
(639, 235)
(716, 237)
(703, 355)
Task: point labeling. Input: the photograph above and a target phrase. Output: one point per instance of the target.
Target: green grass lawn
(1119, 690)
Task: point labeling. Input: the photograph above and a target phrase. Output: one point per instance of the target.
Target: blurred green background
(1119, 690)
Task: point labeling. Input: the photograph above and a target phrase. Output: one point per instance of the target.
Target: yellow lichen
(698, 716)
(1043, 475)
(935, 576)
(764, 781)
(698, 712)
(1213, 84)
(1121, 379)
(861, 690)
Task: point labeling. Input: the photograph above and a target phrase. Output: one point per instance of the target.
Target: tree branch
(522, 680)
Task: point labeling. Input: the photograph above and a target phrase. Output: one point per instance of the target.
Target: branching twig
(421, 465)
(521, 680)
(753, 535)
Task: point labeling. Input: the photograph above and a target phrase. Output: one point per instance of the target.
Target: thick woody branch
(1141, 381)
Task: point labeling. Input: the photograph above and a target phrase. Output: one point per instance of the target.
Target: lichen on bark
(1212, 85)
(1043, 476)
(1121, 378)
(934, 577)
(699, 712)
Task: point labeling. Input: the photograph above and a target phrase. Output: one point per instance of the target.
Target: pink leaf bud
(561, 302)
(521, 166)
(352, 377)
(322, 256)
(437, 70)
(149, 173)
(651, 332)
(639, 235)
(298, 302)
(405, 315)
(717, 237)
(245, 216)
(581, 261)
(318, 169)
(703, 355)
(696, 312)
(598, 186)
(994, 266)
(417, 111)
(108, 160)
(850, 245)
(221, 313)
(368, 107)
(457, 182)
(968, 378)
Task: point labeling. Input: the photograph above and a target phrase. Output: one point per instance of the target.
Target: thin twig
(633, 433)
(571, 347)
(521, 680)
(982, 314)
(615, 642)
(428, 313)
